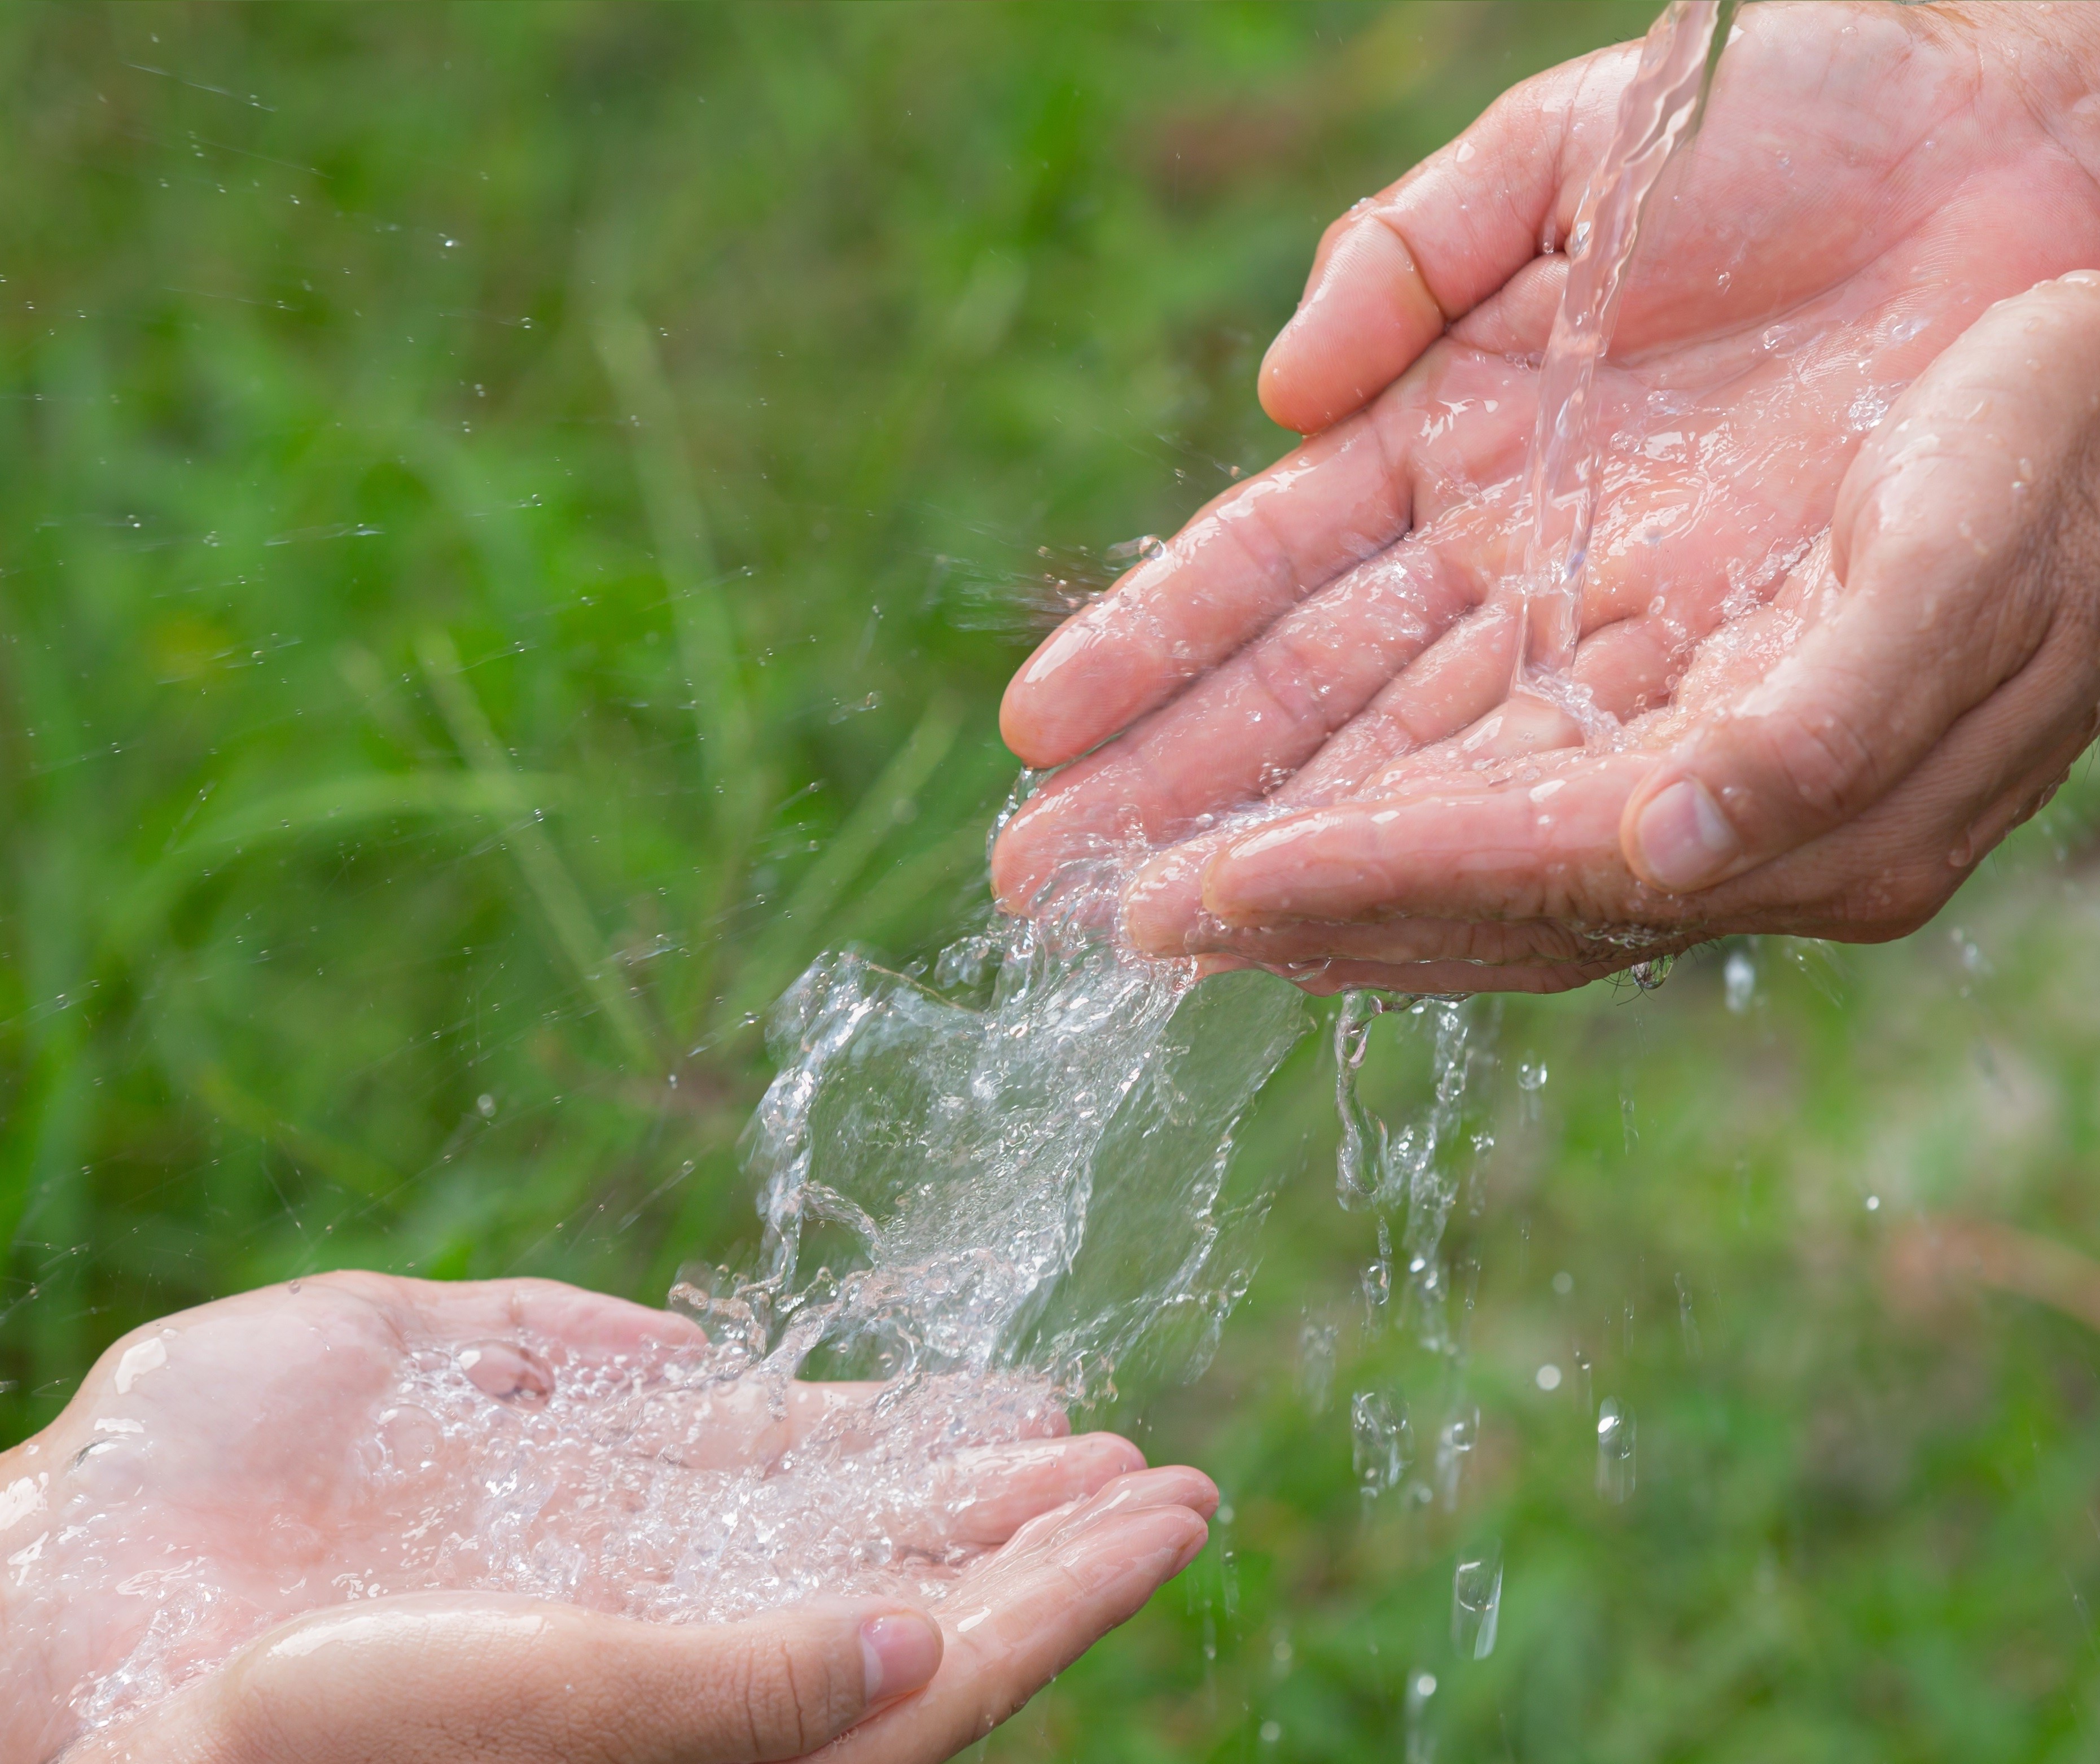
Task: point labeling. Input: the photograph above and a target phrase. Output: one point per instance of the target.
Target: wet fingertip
(901, 1650)
(1680, 841)
(1158, 904)
(1193, 1547)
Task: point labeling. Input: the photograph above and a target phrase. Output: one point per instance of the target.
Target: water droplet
(1873, 1203)
(1615, 1452)
(1648, 975)
(1739, 981)
(1548, 1378)
(1421, 1739)
(1564, 1283)
(1455, 1441)
(486, 1104)
(1973, 958)
(1384, 1441)
(1316, 1364)
(1476, 1600)
(1531, 1075)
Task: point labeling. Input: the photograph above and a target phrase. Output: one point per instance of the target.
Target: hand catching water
(1837, 626)
(205, 1554)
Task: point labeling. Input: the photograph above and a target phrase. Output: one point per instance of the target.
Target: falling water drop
(1739, 981)
(1421, 1741)
(1476, 1600)
(1455, 1441)
(1316, 1364)
(1384, 1441)
(1615, 1452)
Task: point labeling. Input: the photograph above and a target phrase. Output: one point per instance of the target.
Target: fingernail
(1685, 840)
(900, 1652)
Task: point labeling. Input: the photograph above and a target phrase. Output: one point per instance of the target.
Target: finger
(1390, 273)
(1440, 980)
(1550, 850)
(1262, 714)
(1464, 851)
(1064, 1581)
(447, 1678)
(594, 1322)
(1481, 943)
(1462, 676)
(1255, 551)
(990, 1494)
(1940, 602)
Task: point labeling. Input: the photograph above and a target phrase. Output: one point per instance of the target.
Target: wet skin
(237, 1435)
(1838, 595)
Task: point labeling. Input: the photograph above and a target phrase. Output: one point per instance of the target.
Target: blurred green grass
(515, 520)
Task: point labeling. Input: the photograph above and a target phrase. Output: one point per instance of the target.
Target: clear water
(1656, 115)
(986, 1189)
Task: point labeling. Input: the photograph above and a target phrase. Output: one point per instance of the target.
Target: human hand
(1834, 764)
(218, 1471)
(1769, 322)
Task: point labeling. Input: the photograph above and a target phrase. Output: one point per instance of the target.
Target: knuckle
(791, 1701)
(1824, 763)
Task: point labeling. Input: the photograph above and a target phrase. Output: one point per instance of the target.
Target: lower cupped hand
(214, 1479)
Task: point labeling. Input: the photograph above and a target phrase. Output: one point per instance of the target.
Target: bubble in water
(1615, 1452)
(1384, 1441)
(1739, 981)
(1476, 1600)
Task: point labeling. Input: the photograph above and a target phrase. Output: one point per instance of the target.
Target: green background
(513, 522)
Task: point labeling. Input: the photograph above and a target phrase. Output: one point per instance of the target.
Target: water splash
(989, 1191)
(1384, 1441)
(1415, 1174)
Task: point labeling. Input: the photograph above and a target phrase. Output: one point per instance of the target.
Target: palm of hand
(239, 1464)
(1339, 631)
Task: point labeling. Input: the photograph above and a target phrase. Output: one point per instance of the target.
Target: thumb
(451, 1679)
(1943, 583)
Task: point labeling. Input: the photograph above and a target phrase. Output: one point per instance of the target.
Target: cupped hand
(214, 1515)
(1834, 764)
(1335, 639)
